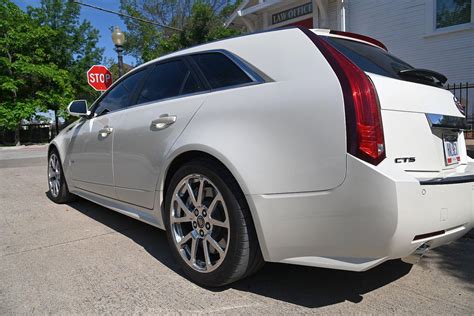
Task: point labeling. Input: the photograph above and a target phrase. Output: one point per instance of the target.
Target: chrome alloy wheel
(199, 223)
(54, 175)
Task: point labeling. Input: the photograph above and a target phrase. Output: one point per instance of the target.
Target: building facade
(432, 34)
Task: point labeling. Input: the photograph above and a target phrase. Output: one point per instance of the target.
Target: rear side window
(369, 58)
(220, 71)
(119, 96)
(168, 80)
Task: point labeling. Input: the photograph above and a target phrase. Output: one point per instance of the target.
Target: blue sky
(100, 20)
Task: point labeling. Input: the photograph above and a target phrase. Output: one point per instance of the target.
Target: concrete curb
(24, 147)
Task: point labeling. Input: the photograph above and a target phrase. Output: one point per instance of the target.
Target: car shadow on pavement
(152, 239)
(317, 287)
(305, 286)
(457, 259)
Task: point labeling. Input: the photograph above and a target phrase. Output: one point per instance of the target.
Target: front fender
(62, 143)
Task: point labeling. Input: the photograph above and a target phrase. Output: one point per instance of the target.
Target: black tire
(63, 196)
(243, 255)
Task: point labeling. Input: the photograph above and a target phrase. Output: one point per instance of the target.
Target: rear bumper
(448, 180)
(372, 217)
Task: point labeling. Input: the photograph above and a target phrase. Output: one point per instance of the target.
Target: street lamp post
(119, 39)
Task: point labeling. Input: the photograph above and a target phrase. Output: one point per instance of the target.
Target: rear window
(220, 71)
(369, 58)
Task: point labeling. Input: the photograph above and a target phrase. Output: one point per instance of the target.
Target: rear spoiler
(446, 122)
(361, 37)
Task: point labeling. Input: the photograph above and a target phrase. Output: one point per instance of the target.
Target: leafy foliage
(29, 78)
(75, 45)
(452, 12)
(201, 21)
(44, 55)
(111, 64)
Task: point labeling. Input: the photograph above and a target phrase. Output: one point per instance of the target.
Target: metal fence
(461, 91)
(29, 134)
(464, 92)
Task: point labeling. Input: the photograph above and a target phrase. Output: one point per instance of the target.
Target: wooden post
(17, 134)
(56, 120)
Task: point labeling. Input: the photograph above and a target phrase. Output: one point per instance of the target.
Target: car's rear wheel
(209, 226)
(58, 190)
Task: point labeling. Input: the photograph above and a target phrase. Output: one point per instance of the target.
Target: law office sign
(292, 13)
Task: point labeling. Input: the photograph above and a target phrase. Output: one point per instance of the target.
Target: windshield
(370, 58)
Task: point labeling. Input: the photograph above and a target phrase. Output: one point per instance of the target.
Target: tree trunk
(17, 129)
(17, 134)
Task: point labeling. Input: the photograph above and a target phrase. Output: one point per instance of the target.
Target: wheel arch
(191, 154)
(54, 146)
(51, 147)
(61, 143)
(186, 157)
(58, 143)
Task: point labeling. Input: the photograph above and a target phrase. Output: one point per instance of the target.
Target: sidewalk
(24, 147)
(22, 152)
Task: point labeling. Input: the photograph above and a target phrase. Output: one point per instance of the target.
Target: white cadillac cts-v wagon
(299, 146)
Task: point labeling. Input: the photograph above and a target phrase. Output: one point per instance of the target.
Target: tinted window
(220, 71)
(168, 80)
(452, 12)
(119, 96)
(370, 58)
(191, 85)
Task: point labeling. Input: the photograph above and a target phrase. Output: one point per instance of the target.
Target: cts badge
(405, 159)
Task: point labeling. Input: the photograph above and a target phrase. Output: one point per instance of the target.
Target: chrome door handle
(163, 122)
(106, 131)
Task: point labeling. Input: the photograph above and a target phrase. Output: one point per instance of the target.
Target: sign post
(99, 77)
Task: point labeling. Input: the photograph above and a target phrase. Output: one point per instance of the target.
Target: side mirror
(78, 108)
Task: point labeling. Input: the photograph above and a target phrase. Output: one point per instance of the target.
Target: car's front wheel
(58, 190)
(209, 226)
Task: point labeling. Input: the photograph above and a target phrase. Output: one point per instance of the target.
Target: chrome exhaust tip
(416, 256)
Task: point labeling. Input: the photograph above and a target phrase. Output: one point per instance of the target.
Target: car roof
(323, 32)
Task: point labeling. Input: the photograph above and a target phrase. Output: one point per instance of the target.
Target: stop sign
(99, 77)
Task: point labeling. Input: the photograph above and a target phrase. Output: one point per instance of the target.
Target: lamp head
(118, 37)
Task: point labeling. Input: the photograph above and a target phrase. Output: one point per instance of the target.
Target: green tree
(74, 46)
(29, 78)
(111, 64)
(201, 21)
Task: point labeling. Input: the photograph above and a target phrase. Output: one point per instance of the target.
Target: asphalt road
(83, 258)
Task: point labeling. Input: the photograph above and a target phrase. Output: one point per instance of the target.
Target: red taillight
(365, 138)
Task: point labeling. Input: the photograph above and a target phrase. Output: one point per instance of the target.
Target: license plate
(451, 153)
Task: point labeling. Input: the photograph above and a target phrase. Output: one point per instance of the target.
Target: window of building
(168, 80)
(119, 97)
(220, 71)
(453, 12)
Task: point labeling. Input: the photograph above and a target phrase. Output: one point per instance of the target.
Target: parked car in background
(298, 146)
